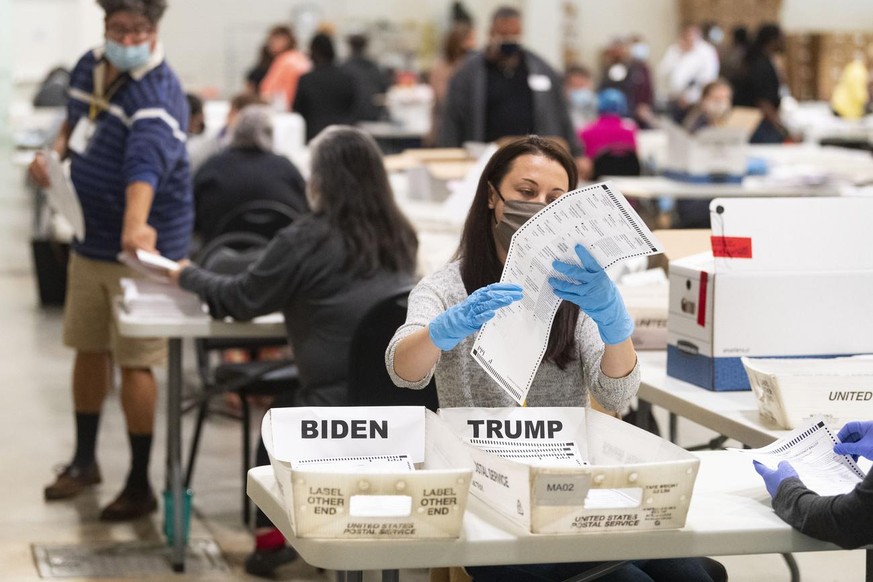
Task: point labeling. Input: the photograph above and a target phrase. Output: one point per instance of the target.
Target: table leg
(869, 566)
(644, 409)
(390, 576)
(174, 451)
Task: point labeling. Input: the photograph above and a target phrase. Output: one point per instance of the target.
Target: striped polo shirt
(139, 138)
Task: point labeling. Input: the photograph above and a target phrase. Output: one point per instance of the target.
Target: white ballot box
(572, 470)
(713, 154)
(647, 305)
(789, 392)
(787, 277)
(364, 472)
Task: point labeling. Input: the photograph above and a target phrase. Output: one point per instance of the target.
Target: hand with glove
(594, 292)
(458, 321)
(857, 439)
(773, 477)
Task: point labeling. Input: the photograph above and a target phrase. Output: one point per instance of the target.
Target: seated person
(611, 131)
(205, 145)
(589, 353)
(713, 109)
(247, 170)
(841, 519)
(324, 272)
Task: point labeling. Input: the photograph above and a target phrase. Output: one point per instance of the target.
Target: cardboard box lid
(792, 234)
(683, 242)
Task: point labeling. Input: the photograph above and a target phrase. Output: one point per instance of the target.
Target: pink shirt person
(610, 131)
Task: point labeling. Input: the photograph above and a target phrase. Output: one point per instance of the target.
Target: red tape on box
(732, 247)
(701, 299)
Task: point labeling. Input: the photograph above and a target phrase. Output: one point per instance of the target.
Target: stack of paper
(157, 300)
(810, 450)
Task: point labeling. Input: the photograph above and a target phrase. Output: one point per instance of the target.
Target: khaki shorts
(88, 322)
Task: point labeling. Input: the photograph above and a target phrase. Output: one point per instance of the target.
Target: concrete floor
(35, 412)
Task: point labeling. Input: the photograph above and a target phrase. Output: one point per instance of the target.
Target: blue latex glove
(857, 440)
(773, 477)
(458, 321)
(595, 294)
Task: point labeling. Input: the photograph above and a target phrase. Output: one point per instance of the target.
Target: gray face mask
(515, 213)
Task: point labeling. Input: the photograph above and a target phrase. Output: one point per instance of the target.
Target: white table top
(656, 186)
(134, 325)
(734, 414)
(730, 514)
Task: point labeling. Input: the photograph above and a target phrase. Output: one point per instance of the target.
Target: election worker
(324, 272)
(842, 519)
(589, 351)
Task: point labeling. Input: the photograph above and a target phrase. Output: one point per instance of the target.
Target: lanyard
(99, 98)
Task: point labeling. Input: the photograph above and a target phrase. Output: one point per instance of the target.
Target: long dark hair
(477, 252)
(349, 186)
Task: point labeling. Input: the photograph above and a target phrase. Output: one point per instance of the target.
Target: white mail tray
(631, 479)
(366, 492)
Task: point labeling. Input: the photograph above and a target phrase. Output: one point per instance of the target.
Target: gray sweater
(461, 381)
(301, 273)
(846, 520)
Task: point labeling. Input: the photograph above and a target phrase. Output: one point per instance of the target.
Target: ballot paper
(810, 450)
(158, 301)
(511, 346)
(61, 194)
(151, 265)
(364, 464)
(533, 452)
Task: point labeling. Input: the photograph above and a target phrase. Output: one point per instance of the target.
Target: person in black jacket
(326, 95)
(759, 85)
(324, 272)
(371, 83)
(247, 170)
(846, 520)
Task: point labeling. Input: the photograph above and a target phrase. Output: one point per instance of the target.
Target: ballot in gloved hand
(596, 295)
(857, 439)
(774, 477)
(450, 327)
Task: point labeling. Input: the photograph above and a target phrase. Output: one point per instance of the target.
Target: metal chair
(263, 217)
(229, 254)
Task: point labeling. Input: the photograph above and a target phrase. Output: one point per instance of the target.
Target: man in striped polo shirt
(125, 135)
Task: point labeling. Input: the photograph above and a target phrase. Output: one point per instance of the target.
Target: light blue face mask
(126, 58)
(583, 98)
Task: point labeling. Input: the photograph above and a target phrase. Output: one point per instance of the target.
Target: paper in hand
(511, 346)
(61, 194)
(151, 265)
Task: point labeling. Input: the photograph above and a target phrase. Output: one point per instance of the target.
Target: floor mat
(123, 560)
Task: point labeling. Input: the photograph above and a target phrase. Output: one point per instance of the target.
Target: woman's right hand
(38, 172)
(450, 327)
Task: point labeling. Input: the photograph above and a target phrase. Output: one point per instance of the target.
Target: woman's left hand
(593, 291)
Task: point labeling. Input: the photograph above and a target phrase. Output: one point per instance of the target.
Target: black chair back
(263, 217)
(229, 254)
(369, 382)
(617, 162)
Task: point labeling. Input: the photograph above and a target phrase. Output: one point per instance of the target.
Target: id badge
(81, 136)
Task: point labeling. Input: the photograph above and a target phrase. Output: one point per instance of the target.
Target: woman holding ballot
(841, 519)
(589, 351)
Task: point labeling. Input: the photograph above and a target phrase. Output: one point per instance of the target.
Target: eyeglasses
(119, 33)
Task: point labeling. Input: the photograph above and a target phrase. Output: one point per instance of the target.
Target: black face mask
(515, 214)
(508, 49)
